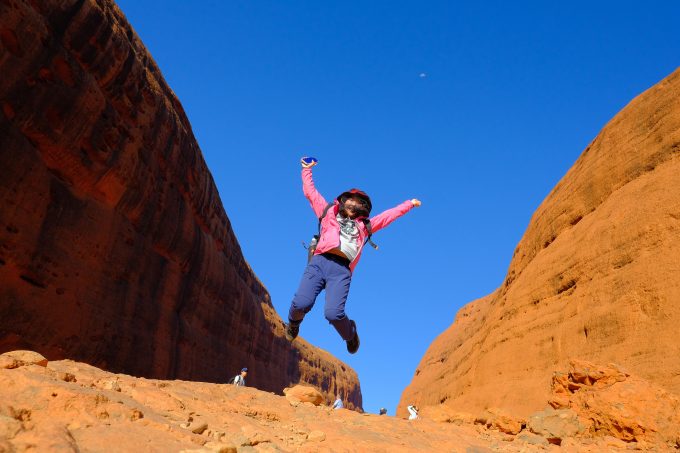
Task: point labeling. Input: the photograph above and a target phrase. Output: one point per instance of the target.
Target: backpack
(232, 380)
(315, 239)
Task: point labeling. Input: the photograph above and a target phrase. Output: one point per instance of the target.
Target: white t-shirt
(349, 237)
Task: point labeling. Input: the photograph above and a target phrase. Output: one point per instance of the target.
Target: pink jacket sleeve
(317, 201)
(386, 217)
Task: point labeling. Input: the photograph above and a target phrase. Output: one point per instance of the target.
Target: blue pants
(330, 272)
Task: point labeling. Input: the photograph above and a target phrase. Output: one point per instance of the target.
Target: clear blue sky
(513, 92)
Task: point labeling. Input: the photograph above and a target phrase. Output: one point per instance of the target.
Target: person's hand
(306, 165)
(416, 202)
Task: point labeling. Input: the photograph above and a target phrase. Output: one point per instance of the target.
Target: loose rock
(303, 393)
(316, 436)
(16, 359)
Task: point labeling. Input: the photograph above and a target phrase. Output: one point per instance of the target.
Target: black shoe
(353, 344)
(292, 331)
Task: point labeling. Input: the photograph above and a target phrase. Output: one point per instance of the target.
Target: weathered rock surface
(595, 277)
(611, 402)
(115, 248)
(41, 412)
(15, 359)
(555, 425)
(497, 419)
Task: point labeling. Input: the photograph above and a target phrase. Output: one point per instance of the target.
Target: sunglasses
(354, 207)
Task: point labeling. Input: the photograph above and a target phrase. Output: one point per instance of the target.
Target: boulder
(555, 424)
(15, 359)
(303, 394)
(495, 418)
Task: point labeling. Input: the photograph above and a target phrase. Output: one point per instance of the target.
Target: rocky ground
(70, 406)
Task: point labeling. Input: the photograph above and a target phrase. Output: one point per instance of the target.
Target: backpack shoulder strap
(325, 211)
(367, 224)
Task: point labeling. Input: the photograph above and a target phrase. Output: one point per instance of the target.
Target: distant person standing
(383, 411)
(338, 402)
(240, 379)
(413, 412)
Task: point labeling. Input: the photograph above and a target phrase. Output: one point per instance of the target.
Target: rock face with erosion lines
(115, 248)
(595, 277)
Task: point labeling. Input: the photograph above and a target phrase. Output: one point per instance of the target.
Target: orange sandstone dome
(595, 277)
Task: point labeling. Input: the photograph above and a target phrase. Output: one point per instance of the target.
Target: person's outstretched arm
(386, 217)
(317, 201)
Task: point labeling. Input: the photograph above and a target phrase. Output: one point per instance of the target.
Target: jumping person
(344, 230)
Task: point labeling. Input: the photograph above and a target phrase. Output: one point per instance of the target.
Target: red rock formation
(611, 402)
(596, 276)
(115, 248)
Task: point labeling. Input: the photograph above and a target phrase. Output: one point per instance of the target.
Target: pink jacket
(330, 230)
